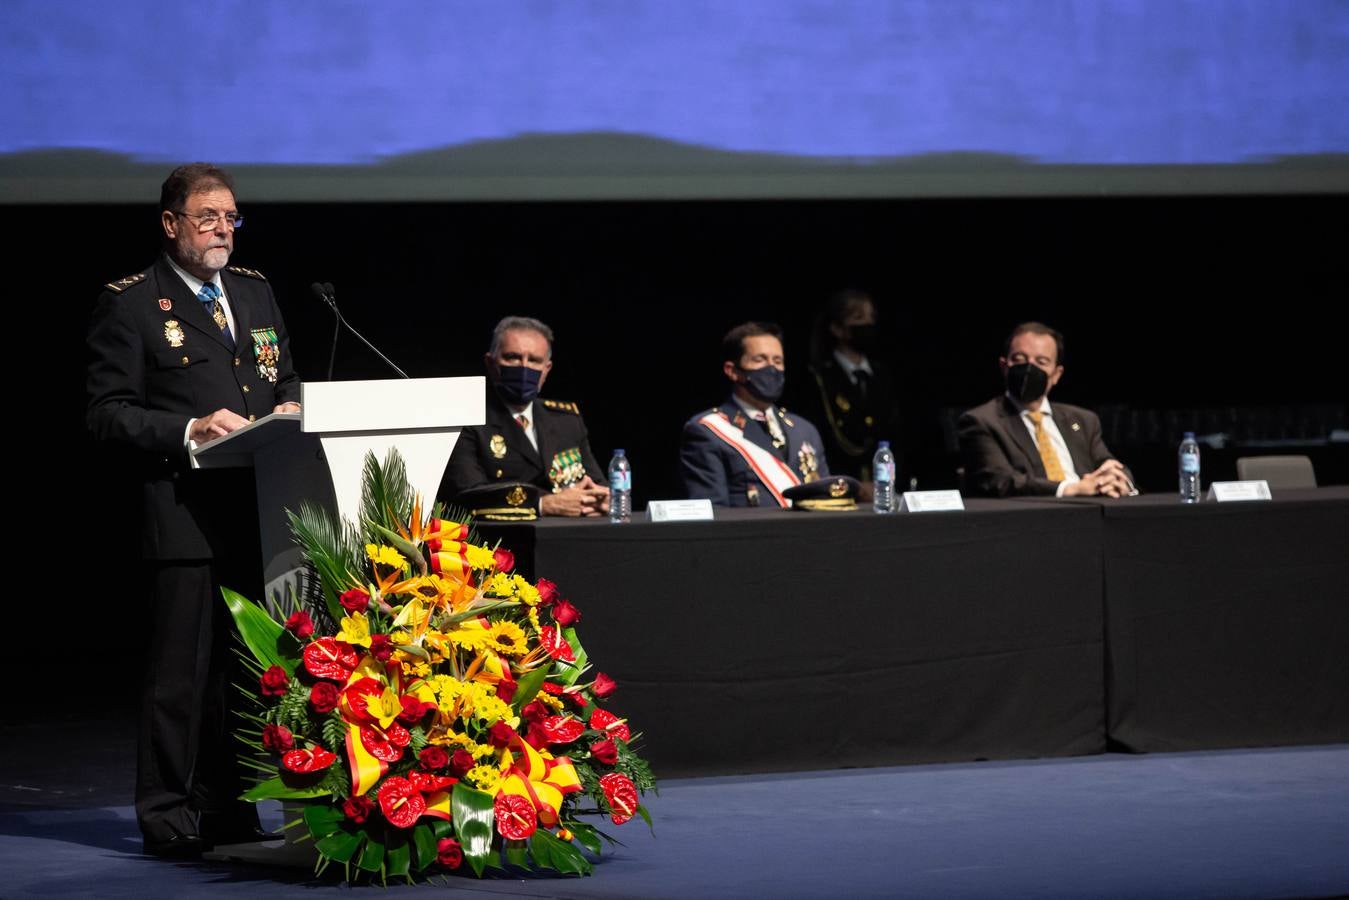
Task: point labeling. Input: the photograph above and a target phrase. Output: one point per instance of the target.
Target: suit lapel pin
(1076, 427)
(165, 304)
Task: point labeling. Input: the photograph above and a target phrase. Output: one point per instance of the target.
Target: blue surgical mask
(766, 382)
(517, 385)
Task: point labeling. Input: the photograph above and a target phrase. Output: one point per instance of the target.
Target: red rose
(449, 854)
(500, 734)
(323, 697)
(535, 711)
(605, 751)
(275, 682)
(433, 758)
(381, 648)
(603, 720)
(516, 818)
(461, 762)
(536, 737)
(358, 809)
(401, 803)
(315, 759)
(552, 640)
(300, 625)
(565, 614)
(622, 796)
(562, 729)
(506, 690)
(277, 738)
(330, 658)
(504, 559)
(354, 600)
(603, 686)
(414, 710)
(547, 592)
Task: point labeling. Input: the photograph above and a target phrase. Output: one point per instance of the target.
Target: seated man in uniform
(748, 451)
(526, 438)
(1018, 445)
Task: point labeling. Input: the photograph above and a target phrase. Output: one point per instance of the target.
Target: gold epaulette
(123, 283)
(562, 406)
(251, 273)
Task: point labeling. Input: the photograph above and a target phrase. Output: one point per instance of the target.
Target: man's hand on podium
(217, 424)
(287, 407)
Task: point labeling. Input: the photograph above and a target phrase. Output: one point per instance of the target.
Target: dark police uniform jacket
(853, 421)
(500, 452)
(157, 359)
(712, 469)
(1001, 459)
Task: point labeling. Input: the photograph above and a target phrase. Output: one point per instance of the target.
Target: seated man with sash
(748, 451)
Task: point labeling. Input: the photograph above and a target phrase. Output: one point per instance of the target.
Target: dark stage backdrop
(1214, 302)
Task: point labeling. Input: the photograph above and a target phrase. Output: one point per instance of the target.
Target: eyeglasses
(211, 218)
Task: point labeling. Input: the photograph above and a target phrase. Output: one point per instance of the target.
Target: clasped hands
(585, 498)
(1109, 480)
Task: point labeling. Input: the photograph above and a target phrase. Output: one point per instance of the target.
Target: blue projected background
(353, 100)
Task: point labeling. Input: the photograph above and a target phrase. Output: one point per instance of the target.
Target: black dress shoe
(180, 846)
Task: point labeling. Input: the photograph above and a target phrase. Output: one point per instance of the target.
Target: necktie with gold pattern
(1053, 468)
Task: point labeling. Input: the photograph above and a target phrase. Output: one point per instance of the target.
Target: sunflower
(507, 638)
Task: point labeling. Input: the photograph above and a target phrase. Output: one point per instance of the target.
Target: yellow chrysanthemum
(547, 699)
(485, 778)
(508, 639)
(479, 557)
(384, 555)
(534, 618)
(355, 631)
(527, 593)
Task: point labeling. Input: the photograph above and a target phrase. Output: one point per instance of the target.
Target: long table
(769, 640)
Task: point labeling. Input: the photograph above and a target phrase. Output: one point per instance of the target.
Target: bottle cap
(1189, 435)
(882, 445)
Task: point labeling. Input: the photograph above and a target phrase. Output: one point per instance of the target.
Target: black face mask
(517, 385)
(862, 337)
(1027, 382)
(766, 383)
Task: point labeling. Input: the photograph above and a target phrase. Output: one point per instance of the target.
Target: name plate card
(679, 510)
(931, 501)
(1224, 491)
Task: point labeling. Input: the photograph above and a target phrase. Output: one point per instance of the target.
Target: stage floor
(1247, 823)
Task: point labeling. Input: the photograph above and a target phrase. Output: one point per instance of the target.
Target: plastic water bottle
(1189, 469)
(883, 476)
(620, 488)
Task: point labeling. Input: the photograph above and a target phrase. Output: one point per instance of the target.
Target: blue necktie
(209, 295)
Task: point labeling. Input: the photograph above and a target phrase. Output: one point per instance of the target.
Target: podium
(317, 455)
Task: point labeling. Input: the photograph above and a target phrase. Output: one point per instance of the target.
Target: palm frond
(386, 494)
(334, 550)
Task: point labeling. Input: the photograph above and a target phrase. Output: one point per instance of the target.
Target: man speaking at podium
(186, 351)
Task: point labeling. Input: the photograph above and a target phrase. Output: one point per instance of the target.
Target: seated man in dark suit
(748, 451)
(1018, 445)
(526, 438)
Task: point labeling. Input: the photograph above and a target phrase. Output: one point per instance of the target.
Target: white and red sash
(775, 474)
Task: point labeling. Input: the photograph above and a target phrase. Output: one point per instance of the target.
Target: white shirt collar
(193, 282)
(850, 368)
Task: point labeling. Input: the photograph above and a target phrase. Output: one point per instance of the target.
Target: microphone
(325, 293)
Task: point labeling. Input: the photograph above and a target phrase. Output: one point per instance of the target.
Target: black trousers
(186, 754)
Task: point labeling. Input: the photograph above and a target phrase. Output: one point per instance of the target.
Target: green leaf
(397, 854)
(424, 845)
(322, 820)
(586, 835)
(276, 789)
(572, 671)
(372, 857)
(340, 846)
(561, 855)
(528, 687)
(516, 855)
(646, 816)
(473, 818)
(260, 632)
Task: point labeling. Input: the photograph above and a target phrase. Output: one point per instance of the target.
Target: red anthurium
(562, 729)
(622, 796)
(330, 658)
(398, 735)
(401, 802)
(516, 818)
(316, 759)
(603, 720)
(380, 746)
(504, 559)
(536, 737)
(552, 640)
(357, 693)
(300, 625)
(428, 783)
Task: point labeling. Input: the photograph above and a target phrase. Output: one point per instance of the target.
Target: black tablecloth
(770, 640)
(1227, 625)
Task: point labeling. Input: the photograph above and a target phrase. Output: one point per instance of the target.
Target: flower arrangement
(432, 710)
